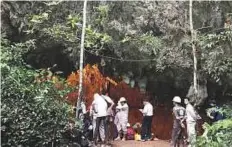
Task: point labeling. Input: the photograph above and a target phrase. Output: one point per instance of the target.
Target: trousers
(191, 131)
(99, 121)
(146, 128)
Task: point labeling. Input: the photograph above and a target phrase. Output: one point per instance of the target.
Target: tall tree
(81, 57)
(193, 38)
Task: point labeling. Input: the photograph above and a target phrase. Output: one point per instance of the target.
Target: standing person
(109, 116)
(122, 118)
(191, 120)
(179, 116)
(100, 108)
(147, 120)
(116, 121)
(93, 114)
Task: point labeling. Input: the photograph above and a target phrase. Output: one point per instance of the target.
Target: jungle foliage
(32, 113)
(157, 33)
(218, 134)
(129, 32)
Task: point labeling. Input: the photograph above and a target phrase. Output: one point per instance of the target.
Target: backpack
(218, 115)
(130, 134)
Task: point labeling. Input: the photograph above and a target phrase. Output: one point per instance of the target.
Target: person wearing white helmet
(122, 116)
(178, 118)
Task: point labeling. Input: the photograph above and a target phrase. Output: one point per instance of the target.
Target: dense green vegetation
(32, 113)
(151, 38)
(153, 41)
(218, 134)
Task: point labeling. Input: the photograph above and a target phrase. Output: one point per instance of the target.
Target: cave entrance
(44, 58)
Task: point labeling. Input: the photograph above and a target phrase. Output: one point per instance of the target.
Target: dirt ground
(132, 143)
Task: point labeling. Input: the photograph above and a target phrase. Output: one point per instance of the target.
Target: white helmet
(177, 99)
(122, 99)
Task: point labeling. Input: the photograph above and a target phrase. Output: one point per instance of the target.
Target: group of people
(190, 116)
(104, 117)
(182, 114)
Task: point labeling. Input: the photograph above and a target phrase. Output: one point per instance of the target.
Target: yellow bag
(137, 137)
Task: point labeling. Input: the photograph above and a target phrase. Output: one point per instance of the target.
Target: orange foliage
(93, 81)
(72, 79)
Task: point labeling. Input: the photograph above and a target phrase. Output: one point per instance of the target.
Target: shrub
(218, 134)
(32, 113)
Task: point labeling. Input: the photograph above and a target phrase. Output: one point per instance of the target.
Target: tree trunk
(193, 39)
(81, 59)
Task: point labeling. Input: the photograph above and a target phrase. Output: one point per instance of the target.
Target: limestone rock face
(201, 96)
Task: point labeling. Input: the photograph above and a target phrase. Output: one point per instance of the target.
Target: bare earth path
(132, 143)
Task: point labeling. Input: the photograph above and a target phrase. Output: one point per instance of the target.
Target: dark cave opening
(40, 59)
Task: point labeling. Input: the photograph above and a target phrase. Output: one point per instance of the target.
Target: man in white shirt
(191, 119)
(147, 120)
(100, 107)
(122, 116)
(94, 120)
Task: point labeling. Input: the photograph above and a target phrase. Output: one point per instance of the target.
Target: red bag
(130, 134)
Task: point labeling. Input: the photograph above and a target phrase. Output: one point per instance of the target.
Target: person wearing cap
(191, 120)
(147, 120)
(123, 111)
(179, 116)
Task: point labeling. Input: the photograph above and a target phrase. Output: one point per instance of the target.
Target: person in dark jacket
(214, 112)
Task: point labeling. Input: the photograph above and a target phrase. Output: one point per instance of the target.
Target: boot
(124, 137)
(118, 138)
